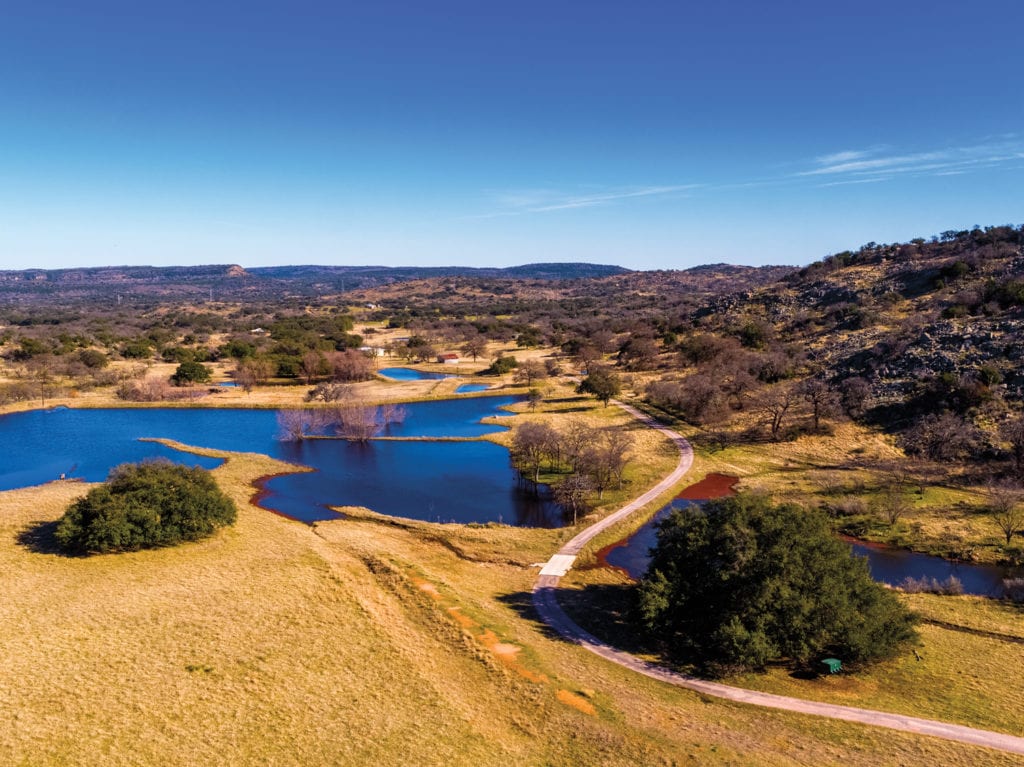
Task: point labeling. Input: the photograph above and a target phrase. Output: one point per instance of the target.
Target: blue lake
(887, 565)
(408, 374)
(435, 481)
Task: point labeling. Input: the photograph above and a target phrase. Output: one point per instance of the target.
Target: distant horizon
(229, 264)
(500, 266)
(456, 134)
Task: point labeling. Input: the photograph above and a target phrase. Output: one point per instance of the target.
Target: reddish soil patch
(712, 486)
(577, 702)
(260, 483)
(602, 557)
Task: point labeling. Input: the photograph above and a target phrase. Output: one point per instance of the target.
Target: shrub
(1014, 589)
(951, 586)
(191, 372)
(145, 505)
(501, 366)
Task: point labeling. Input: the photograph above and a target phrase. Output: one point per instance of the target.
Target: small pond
(408, 374)
(436, 481)
(887, 565)
(228, 384)
(470, 388)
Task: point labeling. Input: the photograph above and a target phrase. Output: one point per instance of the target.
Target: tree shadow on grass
(522, 603)
(39, 538)
(604, 610)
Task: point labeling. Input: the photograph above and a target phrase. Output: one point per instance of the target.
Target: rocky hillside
(898, 315)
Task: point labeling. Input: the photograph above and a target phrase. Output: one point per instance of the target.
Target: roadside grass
(961, 676)
(278, 643)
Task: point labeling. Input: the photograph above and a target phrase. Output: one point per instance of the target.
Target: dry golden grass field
(370, 639)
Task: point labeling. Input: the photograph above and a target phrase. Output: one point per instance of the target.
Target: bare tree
(774, 405)
(574, 440)
(533, 444)
(586, 355)
(245, 378)
(475, 346)
(821, 397)
(1013, 432)
(572, 494)
(945, 437)
(1006, 505)
(605, 460)
(260, 368)
(530, 371)
(638, 353)
(350, 365)
(296, 425)
(312, 363)
(355, 421)
(894, 503)
(854, 394)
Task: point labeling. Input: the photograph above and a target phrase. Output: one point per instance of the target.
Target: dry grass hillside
(355, 641)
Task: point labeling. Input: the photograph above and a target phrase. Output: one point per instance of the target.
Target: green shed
(834, 665)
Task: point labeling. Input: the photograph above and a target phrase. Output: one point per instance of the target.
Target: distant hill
(233, 282)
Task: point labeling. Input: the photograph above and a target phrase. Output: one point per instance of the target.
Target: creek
(887, 565)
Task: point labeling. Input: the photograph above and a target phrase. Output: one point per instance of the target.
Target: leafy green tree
(191, 372)
(501, 366)
(93, 359)
(603, 383)
(146, 505)
(138, 349)
(744, 582)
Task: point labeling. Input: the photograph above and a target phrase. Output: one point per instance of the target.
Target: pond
(893, 566)
(469, 388)
(408, 374)
(435, 481)
(887, 565)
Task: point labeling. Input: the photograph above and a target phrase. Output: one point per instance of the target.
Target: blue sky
(655, 135)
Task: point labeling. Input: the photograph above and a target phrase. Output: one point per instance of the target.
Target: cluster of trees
(155, 503)
(585, 460)
(743, 583)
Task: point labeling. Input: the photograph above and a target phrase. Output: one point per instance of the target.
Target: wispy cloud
(870, 180)
(523, 201)
(845, 167)
(846, 156)
(879, 160)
